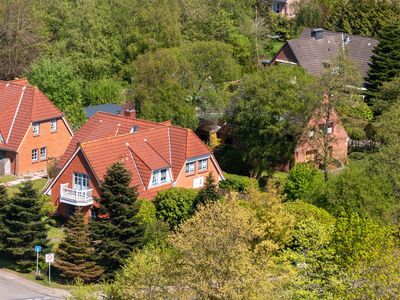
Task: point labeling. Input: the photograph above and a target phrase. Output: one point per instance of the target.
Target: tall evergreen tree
(386, 59)
(4, 201)
(116, 232)
(25, 226)
(209, 192)
(74, 253)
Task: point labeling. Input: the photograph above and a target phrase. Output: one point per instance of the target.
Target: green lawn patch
(37, 184)
(7, 178)
(55, 235)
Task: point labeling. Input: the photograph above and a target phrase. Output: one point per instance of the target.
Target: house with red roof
(158, 155)
(33, 130)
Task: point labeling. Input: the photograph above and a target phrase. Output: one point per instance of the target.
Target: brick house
(284, 7)
(310, 147)
(32, 129)
(158, 155)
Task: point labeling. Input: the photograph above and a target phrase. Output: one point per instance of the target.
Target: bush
(357, 155)
(231, 159)
(175, 205)
(145, 211)
(104, 91)
(301, 180)
(238, 183)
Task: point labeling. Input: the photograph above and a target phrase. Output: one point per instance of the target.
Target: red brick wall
(78, 164)
(186, 180)
(56, 143)
(338, 141)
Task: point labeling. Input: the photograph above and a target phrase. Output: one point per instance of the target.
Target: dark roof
(311, 53)
(108, 108)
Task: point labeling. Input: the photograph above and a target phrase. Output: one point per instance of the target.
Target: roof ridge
(147, 142)
(139, 157)
(130, 118)
(118, 136)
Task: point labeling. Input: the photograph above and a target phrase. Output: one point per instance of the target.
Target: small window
(134, 128)
(35, 154)
(203, 164)
(53, 125)
(311, 155)
(43, 153)
(36, 128)
(163, 177)
(155, 178)
(276, 7)
(190, 167)
(310, 133)
(330, 128)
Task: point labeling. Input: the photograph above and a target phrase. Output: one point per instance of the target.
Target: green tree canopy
(270, 112)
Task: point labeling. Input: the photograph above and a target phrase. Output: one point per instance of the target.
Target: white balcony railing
(75, 197)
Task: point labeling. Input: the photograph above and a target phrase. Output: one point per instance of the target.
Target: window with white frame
(36, 128)
(81, 181)
(190, 167)
(35, 154)
(276, 7)
(53, 125)
(203, 164)
(160, 177)
(43, 153)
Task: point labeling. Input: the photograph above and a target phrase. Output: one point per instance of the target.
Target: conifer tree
(75, 251)
(386, 59)
(209, 192)
(116, 232)
(4, 201)
(25, 226)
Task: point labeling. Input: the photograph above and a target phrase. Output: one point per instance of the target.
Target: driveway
(14, 287)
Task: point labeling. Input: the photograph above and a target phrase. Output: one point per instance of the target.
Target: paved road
(14, 287)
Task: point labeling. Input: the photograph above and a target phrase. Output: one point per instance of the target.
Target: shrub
(301, 180)
(103, 91)
(145, 211)
(175, 205)
(238, 183)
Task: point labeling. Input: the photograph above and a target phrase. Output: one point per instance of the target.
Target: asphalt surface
(14, 287)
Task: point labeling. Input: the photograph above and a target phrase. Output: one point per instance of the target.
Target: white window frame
(45, 153)
(163, 175)
(190, 167)
(276, 7)
(35, 154)
(160, 177)
(36, 128)
(82, 180)
(203, 164)
(53, 125)
(329, 129)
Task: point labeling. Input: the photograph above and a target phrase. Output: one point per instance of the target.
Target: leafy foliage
(209, 191)
(175, 205)
(302, 179)
(238, 183)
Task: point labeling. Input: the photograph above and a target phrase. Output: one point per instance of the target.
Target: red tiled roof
(106, 139)
(20, 105)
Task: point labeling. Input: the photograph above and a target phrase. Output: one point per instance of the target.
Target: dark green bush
(238, 183)
(175, 205)
(357, 155)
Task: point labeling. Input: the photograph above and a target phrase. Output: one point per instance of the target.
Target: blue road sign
(38, 249)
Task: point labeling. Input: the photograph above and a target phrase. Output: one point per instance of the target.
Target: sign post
(37, 250)
(49, 259)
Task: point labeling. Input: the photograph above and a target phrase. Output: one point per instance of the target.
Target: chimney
(131, 113)
(317, 33)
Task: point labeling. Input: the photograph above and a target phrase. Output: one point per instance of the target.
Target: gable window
(329, 129)
(53, 125)
(43, 153)
(190, 167)
(311, 155)
(276, 7)
(203, 164)
(35, 154)
(81, 181)
(36, 128)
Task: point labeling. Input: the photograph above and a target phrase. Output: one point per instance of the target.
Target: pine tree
(386, 59)
(209, 192)
(116, 232)
(4, 201)
(25, 226)
(75, 251)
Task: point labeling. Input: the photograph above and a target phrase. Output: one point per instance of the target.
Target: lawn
(55, 235)
(7, 178)
(37, 184)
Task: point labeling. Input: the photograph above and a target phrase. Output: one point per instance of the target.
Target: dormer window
(134, 128)
(36, 128)
(160, 177)
(190, 167)
(1, 139)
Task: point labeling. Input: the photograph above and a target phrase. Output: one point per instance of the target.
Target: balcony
(75, 197)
